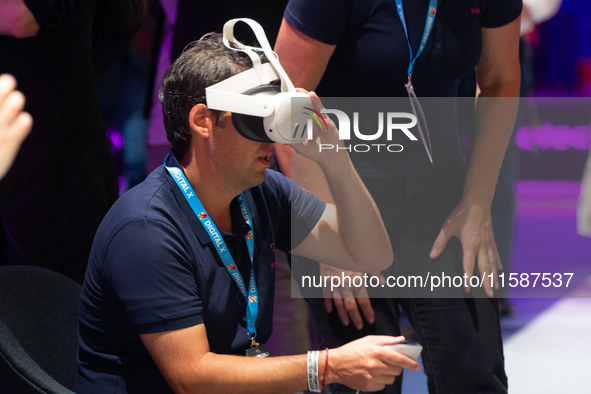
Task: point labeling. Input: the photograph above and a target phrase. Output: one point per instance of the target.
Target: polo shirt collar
(239, 225)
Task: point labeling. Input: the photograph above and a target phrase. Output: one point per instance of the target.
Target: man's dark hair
(203, 63)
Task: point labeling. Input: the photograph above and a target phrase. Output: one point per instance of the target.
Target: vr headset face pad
(252, 127)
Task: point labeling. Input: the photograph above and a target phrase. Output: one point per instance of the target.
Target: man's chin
(257, 179)
(262, 178)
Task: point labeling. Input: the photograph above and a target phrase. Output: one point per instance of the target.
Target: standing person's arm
(498, 77)
(17, 20)
(303, 58)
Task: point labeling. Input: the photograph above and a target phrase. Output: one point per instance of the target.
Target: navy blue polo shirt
(153, 268)
(371, 55)
(371, 58)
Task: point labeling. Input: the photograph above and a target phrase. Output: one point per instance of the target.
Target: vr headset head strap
(231, 42)
(260, 111)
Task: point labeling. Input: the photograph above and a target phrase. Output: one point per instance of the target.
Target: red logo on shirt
(475, 11)
(272, 246)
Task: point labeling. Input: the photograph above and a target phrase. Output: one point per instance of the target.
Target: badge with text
(258, 351)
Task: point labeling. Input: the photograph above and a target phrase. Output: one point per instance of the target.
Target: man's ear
(200, 120)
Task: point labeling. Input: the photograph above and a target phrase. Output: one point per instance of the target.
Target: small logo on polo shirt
(231, 267)
(249, 235)
(202, 215)
(273, 249)
(475, 11)
(431, 10)
(252, 299)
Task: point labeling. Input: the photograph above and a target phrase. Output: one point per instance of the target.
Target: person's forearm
(217, 373)
(360, 223)
(496, 110)
(184, 359)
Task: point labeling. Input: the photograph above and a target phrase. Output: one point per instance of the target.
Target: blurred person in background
(63, 180)
(584, 206)
(122, 91)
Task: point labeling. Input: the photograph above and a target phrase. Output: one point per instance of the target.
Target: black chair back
(38, 323)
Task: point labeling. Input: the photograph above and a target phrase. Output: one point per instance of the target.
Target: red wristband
(325, 368)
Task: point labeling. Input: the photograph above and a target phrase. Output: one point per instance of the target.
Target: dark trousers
(463, 351)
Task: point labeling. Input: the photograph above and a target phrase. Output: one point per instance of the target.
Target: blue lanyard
(431, 12)
(251, 295)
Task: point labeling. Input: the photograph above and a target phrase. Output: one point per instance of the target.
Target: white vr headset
(260, 112)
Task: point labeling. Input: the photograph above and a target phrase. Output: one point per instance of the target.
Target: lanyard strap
(431, 12)
(251, 296)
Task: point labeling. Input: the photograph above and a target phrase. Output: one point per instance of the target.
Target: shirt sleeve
(150, 270)
(497, 13)
(48, 12)
(324, 21)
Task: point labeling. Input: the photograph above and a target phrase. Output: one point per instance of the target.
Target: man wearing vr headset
(180, 281)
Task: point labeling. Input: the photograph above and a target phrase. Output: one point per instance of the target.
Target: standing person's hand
(14, 123)
(471, 223)
(350, 301)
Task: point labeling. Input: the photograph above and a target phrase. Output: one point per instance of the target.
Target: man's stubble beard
(240, 180)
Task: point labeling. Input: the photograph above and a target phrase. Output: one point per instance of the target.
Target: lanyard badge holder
(414, 101)
(261, 112)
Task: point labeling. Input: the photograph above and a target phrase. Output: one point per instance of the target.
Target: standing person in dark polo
(350, 48)
(160, 311)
